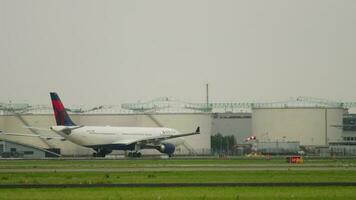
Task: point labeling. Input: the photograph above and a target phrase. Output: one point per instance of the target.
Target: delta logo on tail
(60, 113)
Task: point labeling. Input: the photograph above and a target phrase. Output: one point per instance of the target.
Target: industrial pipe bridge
(170, 105)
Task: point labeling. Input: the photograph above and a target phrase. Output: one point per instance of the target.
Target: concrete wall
(334, 117)
(310, 126)
(2, 125)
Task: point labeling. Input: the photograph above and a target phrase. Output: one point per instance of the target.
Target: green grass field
(342, 171)
(176, 177)
(190, 193)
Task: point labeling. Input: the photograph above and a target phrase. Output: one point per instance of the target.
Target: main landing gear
(101, 152)
(134, 154)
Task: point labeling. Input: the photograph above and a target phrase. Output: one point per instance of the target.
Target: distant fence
(344, 150)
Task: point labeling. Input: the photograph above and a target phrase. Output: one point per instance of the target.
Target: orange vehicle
(295, 159)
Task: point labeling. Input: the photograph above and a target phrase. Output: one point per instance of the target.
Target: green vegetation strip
(163, 185)
(177, 177)
(189, 193)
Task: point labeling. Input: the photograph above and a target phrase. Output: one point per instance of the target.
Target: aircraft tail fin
(60, 113)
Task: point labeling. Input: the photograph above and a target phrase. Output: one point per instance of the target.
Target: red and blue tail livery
(60, 113)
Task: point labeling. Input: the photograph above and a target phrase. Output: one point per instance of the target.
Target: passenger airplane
(104, 139)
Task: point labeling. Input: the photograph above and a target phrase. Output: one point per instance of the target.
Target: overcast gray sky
(95, 52)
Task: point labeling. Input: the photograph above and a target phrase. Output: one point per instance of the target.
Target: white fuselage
(106, 135)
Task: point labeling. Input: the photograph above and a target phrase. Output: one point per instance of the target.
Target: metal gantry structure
(171, 105)
(299, 102)
(23, 108)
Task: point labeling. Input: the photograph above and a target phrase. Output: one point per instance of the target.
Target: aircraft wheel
(135, 154)
(100, 154)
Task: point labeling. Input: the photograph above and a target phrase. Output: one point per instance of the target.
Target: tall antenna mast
(207, 96)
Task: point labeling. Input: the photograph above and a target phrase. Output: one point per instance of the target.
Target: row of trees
(222, 144)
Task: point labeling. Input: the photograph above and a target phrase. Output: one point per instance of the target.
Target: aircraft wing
(34, 135)
(158, 139)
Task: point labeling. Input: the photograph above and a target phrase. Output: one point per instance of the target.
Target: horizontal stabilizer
(34, 135)
(38, 128)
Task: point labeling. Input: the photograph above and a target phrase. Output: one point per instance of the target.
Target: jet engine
(166, 148)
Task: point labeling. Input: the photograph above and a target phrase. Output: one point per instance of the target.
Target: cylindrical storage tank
(309, 126)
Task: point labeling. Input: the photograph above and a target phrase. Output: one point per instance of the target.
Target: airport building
(349, 128)
(307, 122)
(10, 149)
